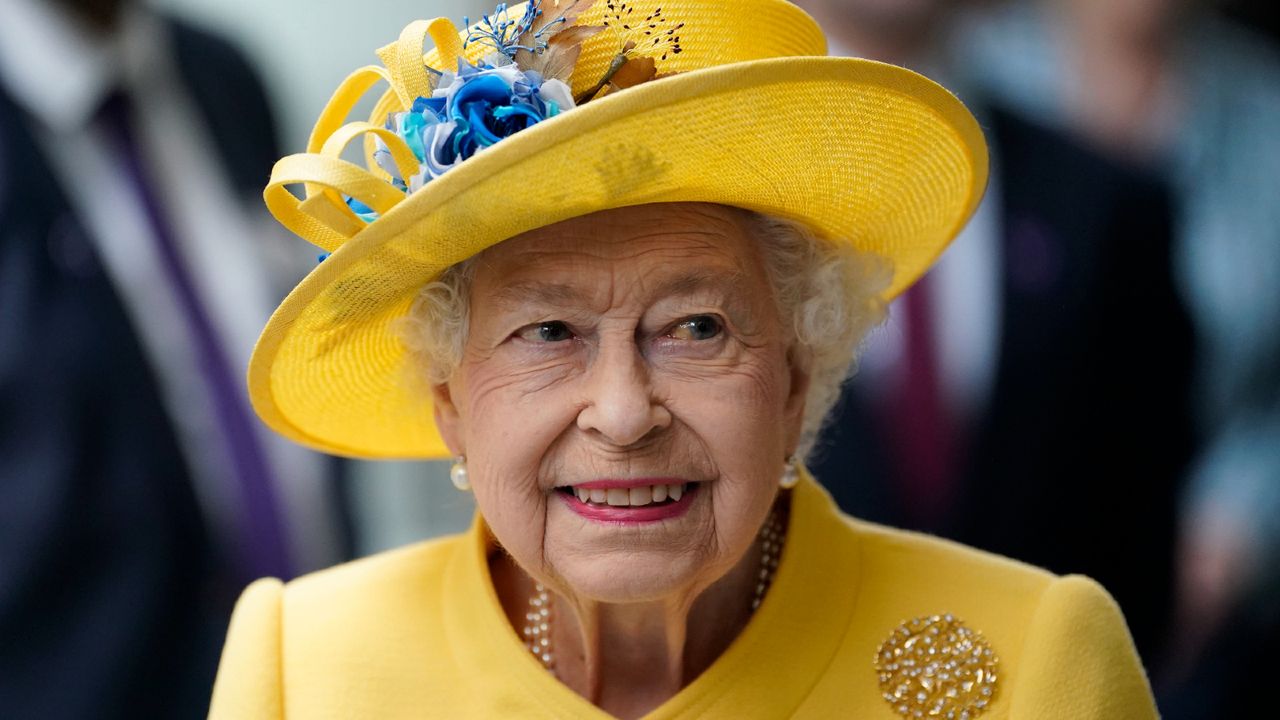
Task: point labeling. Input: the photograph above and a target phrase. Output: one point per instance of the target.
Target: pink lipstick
(658, 500)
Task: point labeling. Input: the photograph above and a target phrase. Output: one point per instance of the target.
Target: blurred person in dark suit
(1172, 85)
(137, 493)
(1028, 396)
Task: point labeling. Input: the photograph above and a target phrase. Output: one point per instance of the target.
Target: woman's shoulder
(353, 586)
(378, 614)
(917, 575)
(894, 554)
(369, 586)
(1058, 646)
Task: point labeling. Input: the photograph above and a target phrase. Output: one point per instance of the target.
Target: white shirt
(60, 73)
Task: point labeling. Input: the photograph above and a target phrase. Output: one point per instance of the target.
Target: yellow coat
(419, 633)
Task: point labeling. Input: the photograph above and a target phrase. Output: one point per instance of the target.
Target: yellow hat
(745, 110)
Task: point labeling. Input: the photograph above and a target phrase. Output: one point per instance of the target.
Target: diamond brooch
(936, 667)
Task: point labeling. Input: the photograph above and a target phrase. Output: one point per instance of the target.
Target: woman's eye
(545, 332)
(700, 327)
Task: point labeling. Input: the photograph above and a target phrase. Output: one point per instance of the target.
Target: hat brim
(860, 151)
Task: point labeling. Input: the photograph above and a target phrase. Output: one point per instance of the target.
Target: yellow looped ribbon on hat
(389, 103)
(322, 216)
(349, 93)
(323, 173)
(448, 43)
(405, 57)
(406, 162)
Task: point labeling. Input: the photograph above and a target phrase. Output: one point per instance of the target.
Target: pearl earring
(458, 474)
(790, 473)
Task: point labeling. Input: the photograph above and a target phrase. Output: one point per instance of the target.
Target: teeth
(641, 495)
(632, 497)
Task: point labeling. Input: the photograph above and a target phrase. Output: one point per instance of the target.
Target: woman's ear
(800, 369)
(448, 419)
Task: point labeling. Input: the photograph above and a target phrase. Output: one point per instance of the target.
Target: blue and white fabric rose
(469, 111)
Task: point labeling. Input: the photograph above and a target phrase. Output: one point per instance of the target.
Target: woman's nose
(620, 406)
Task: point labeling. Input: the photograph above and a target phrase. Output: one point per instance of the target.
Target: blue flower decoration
(485, 110)
(467, 112)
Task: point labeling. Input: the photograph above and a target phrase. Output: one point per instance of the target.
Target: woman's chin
(620, 578)
(627, 563)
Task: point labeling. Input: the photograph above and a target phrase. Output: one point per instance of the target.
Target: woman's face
(632, 349)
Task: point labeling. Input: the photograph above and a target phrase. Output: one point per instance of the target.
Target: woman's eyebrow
(727, 282)
(548, 292)
(539, 291)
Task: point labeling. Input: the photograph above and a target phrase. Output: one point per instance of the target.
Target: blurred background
(1089, 380)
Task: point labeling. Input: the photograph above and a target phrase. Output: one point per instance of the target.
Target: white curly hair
(828, 294)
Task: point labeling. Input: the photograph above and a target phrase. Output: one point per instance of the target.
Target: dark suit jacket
(1074, 464)
(112, 602)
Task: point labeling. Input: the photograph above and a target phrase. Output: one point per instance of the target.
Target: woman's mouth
(628, 501)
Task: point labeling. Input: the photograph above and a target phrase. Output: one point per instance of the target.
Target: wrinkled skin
(639, 342)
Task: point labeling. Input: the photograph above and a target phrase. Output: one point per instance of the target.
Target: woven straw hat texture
(862, 152)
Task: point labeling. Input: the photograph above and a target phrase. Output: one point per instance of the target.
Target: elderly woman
(615, 259)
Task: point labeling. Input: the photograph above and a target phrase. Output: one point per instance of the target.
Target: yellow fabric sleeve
(249, 677)
(1085, 664)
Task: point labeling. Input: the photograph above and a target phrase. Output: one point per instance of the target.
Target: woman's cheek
(736, 414)
(505, 383)
(513, 417)
(746, 380)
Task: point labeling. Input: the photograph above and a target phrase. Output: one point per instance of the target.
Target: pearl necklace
(537, 625)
